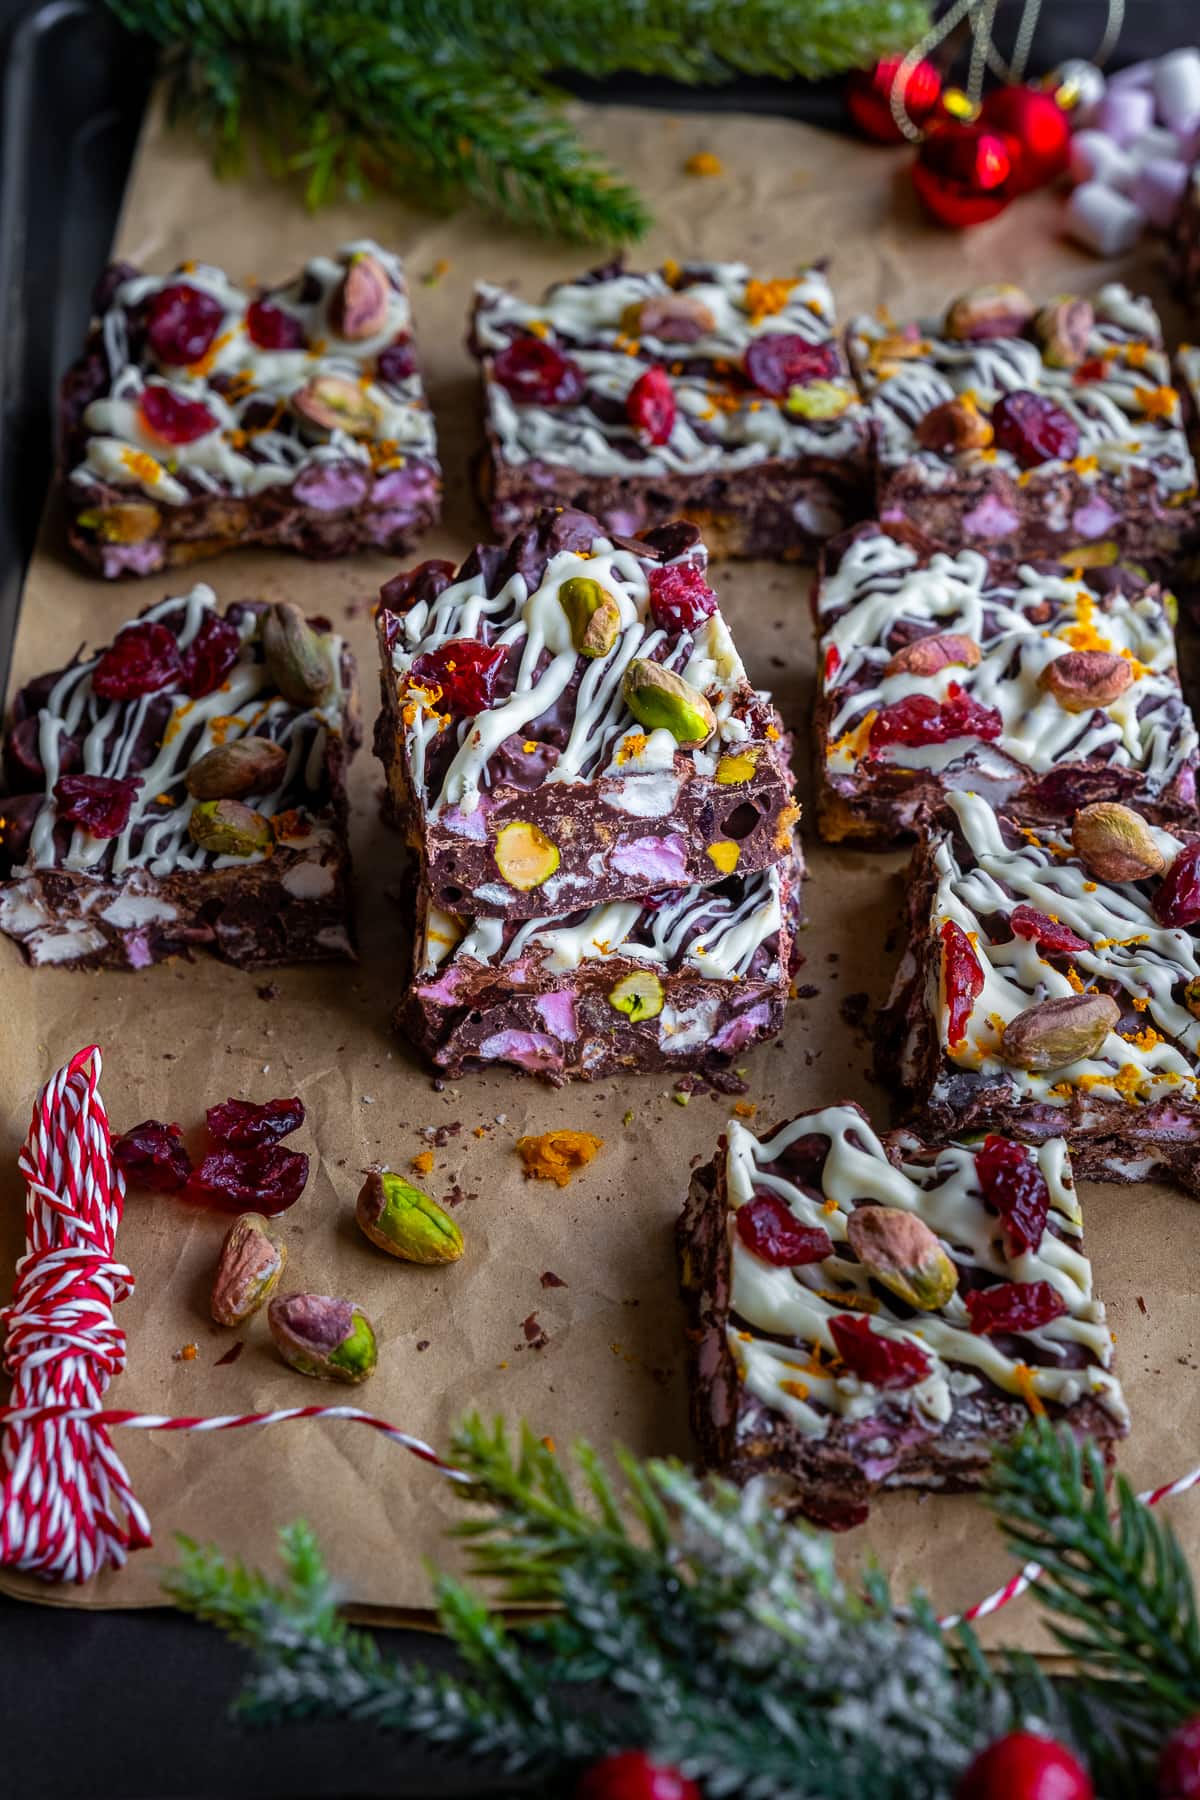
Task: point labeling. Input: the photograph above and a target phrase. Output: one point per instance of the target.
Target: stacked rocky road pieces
(600, 803)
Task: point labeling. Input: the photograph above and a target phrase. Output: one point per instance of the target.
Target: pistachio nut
(819, 400)
(1114, 843)
(248, 1270)
(736, 767)
(230, 828)
(335, 403)
(638, 996)
(1084, 679)
(250, 765)
(661, 700)
(1063, 329)
(525, 856)
(317, 1334)
(361, 302)
(1191, 998)
(671, 318)
(954, 426)
(900, 1252)
(997, 309)
(399, 1218)
(592, 613)
(1054, 1033)
(929, 655)
(296, 656)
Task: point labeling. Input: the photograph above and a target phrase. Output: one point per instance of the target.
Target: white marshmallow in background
(1158, 188)
(1102, 220)
(1155, 143)
(1177, 86)
(1094, 157)
(1136, 75)
(1125, 113)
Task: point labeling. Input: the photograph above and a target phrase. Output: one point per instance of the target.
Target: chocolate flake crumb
(1142, 1307)
(549, 1279)
(231, 1355)
(269, 990)
(422, 1343)
(854, 1008)
(807, 992)
(535, 1337)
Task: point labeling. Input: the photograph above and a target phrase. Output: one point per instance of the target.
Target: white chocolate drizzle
(797, 1303)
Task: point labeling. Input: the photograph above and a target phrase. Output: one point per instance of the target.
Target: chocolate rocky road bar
(1030, 433)
(1003, 922)
(203, 414)
(217, 804)
(858, 1319)
(1043, 689)
(691, 391)
(683, 980)
(515, 763)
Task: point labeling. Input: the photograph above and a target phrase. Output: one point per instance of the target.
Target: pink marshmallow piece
(1125, 113)
(1158, 188)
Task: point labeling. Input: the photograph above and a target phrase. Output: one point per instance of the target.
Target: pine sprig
(450, 98)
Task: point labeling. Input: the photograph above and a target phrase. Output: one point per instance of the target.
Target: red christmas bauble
(1179, 1763)
(869, 97)
(962, 174)
(1038, 133)
(1025, 1766)
(630, 1775)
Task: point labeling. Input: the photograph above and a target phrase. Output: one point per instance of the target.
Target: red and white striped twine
(68, 1507)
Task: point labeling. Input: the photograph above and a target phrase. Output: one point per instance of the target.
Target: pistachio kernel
(362, 300)
(663, 701)
(592, 613)
(296, 656)
(251, 765)
(399, 1218)
(229, 828)
(1084, 679)
(899, 1250)
(998, 309)
(638, 996)
(335, 403)
(322, 1336)
(1114, 843)
(525, 856)
(248, 1271)
(1054, 1033)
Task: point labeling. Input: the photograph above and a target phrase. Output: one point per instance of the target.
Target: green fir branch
(445, 99)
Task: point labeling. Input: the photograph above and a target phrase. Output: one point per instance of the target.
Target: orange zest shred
(557, 1155)
(1029, 1394)
(704, 163)
(422, 1162)
(762, 299)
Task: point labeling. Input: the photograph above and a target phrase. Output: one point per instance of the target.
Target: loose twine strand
(68, 1509)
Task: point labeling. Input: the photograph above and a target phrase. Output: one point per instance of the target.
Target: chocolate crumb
(1142, 1307)
(437, 1084)
(422, 1343)
(549, 1279)
(807, 992)
(853, 1008)
(535, 1337)
(231, 1355)
(268, 991)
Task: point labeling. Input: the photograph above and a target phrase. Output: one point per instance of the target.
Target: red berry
(100, 803)
(650, 404)
(1025, 1766)
(210, 655)
(1014, 1306)
(680, 598)
(268, 1179)
(1033, 428)
(630, 1775)
(181, 324)
(1014, 1186)
(1179, 1763)
(465, 670)
(962, 979)
(396, 362)
(886, 1362)
(153, 1156)
(141, 659)
(271, 328)
(536, 374)
(919, 719)
(1051, 938)
(1094, 369)
(243, 1126)
(1177, 901)
(778, 361)
(172, 418)
(769, 1227)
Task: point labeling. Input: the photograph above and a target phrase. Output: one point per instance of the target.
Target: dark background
(134, 1706)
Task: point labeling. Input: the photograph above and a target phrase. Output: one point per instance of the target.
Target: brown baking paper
(606, 1357)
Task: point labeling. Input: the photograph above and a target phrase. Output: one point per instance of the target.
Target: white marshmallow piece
(1157, 142)
(1094, 157)
(1125, 113)
(1137, 75)
(1177, 86)
(1102, 220)
(1158, 189)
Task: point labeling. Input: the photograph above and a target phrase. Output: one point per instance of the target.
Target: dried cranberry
(210, 655)
(396, 362)
(271, 328)
(100, 803)
(465, 670)
(834, 1515)
(1051, 938)
(267, 1180)
(1177, 901)
(537, 374)
(142, 659)
(1013, 1185)
(962, 979)
(1033, 428)
(1094, 369)
(769, 1227)
(885, 1362)
(1015, 1306)
(172, 418)
(680, 598)
(650, 406)
(919, 719)
(778, 361)
(244, 1126)
(152, 1156)
(181, 324)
